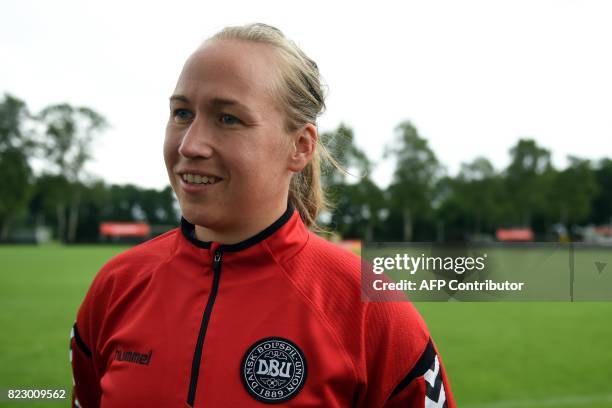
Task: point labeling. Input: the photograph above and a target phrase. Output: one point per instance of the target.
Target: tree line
(422, 203)
(63, 194)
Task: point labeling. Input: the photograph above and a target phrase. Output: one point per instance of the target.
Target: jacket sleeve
(402, 363)
(86, 384)
(425, 386)
(86, 372)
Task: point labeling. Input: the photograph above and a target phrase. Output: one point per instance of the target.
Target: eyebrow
(214, 101)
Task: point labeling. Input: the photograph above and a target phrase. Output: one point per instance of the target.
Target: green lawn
(497, 355)
(41, 289)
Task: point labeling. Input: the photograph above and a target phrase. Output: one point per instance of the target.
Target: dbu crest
(273, 370)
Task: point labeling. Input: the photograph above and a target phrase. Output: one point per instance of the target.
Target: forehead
(232, 69)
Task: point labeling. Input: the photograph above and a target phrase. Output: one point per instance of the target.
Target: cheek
(269, 163)
(170, 160)
(272, 172)
(280, 158)
(170, 149)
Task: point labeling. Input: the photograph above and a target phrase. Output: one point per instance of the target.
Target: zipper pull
(217, 259)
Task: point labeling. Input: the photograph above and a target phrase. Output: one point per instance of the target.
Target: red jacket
(278, 318)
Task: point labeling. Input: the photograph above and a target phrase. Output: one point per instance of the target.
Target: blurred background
(472, 122)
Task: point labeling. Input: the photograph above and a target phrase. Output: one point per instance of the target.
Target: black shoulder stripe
(425, 362)
(80, 342)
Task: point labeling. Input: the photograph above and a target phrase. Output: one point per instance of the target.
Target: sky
(473, 76)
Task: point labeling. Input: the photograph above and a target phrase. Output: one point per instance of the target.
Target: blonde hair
(300, 94)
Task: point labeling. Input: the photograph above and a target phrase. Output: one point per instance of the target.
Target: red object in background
(604, 231)
(125, 229)
(514, 234)
(351, 245)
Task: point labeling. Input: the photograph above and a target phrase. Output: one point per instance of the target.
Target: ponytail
(306, 193)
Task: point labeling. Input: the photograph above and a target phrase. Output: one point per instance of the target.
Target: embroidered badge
(273, 370)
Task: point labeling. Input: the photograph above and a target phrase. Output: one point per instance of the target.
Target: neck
(254, 225)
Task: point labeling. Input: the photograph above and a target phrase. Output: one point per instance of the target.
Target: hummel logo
(133, 357)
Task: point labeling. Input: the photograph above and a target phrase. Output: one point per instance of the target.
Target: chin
(196, 217)
(199, 216)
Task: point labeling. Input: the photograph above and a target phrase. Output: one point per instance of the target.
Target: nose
(196, 141)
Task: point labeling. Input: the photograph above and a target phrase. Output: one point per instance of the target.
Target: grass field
(497, 355)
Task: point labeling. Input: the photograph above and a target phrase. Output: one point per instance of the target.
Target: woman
(242, 305)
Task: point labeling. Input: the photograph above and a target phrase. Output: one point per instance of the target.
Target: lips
(196, 188)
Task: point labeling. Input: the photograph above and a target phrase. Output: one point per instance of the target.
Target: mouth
(197, 183)
(199, 179)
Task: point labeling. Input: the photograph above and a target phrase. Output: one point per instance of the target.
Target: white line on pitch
(547, 402)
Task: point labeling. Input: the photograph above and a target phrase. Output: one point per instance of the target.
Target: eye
(228, 119)
(182, 115)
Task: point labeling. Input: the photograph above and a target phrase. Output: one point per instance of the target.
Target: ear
(304, 142)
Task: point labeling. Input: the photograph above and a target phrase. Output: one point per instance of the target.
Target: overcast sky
(473, 76)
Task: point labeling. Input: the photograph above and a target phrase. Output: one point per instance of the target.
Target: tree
(341, 146)
(602, 202)
(417, 171)
(529, 176)
(15, 148)
(573, 191)
(51, 198)
(69, 132)
(129, 202)
(475, 201)
(357, 202)
(158, 206)
(358, 210)
(95, 201)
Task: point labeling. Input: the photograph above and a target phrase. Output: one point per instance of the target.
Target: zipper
(197, 355)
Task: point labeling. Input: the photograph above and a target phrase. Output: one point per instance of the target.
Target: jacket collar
(283, 236)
